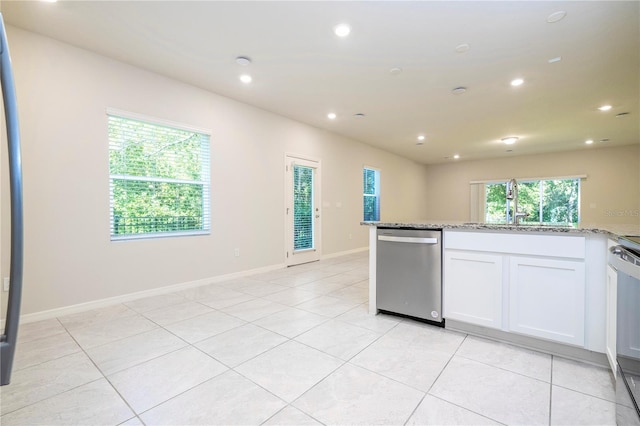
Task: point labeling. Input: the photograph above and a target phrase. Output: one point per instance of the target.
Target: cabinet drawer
(563, 246)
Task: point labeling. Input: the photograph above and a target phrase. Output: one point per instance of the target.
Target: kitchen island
(539, 286)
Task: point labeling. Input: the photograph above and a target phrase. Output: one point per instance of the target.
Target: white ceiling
(303, 71)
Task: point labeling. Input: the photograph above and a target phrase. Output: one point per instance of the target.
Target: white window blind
(159, 179)
(371, 202)
(302, 208)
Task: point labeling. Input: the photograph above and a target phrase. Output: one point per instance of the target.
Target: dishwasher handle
(624, 261)
(411, 240)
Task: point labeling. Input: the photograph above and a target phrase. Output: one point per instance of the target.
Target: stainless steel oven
(625, 258)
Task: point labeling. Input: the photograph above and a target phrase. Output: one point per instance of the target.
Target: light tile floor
(288, 347)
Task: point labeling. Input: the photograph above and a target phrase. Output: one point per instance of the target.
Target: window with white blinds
(371, 183)
(158, 178)
(302, 207)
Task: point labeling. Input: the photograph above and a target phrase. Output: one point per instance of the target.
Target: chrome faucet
(518, 215)
(512, 194)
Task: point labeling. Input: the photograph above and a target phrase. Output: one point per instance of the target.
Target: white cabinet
(612, 300)
(547, 298)
(530, 284)
(473, 290)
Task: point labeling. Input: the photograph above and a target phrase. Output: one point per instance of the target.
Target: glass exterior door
(303, 211)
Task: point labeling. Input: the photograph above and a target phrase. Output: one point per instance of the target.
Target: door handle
(412, 240)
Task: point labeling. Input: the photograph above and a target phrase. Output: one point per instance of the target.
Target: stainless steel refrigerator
(10, 333)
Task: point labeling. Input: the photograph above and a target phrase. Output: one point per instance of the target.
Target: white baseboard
(100, 303)
(344, 253)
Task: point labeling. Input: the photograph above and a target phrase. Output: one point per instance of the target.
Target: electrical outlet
(236, 252)
(5, 286)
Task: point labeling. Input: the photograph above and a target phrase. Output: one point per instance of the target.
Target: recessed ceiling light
(395, 71)
(589, 141)
(554, 60)
(622, 114)
(49, 1)
(510, 140)
(331, 116)
(605, 108)
(556, 16)
(359, 115)
(517, 82)
(342, 30)
(459, 90)
(243, 61)
(246, 78)
(461, 48)
(455, 157)
(421, 137)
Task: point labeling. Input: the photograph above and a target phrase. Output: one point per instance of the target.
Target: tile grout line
(489, 365)
(288, 339)
(415, 409)
(467, 409)
(48, 360)
(67, 390)
(136, 414)
(105, 377)
(503, 369)
(49, 397)
(83, 384)
(449, 402)
(188, 344)
(586, 394)
(551, 389)
(245, 361)
(229, 368)
(178, 394)
(331, 372)
(326, 320)
(448, 361)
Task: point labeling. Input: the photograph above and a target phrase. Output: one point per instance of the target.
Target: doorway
(302, 210)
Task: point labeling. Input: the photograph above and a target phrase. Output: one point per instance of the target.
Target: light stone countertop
(610, 230)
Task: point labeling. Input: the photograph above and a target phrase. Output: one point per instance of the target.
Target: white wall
(63, 93)
(609, 195)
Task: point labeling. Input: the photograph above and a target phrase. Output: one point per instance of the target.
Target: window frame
(376, 193)
(540, 181)
(205, 165)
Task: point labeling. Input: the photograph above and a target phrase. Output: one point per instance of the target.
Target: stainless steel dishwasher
(409, 273)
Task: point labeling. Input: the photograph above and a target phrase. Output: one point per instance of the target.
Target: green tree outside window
(553, 201)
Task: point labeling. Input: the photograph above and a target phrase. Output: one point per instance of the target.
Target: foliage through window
(303, 207)
(159, 179)
(371, 202)
(553, 201)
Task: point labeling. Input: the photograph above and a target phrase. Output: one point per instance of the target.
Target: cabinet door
(612, 299)
(546, 298)
(473, 287)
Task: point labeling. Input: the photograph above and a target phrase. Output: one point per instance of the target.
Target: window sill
(158, 235)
